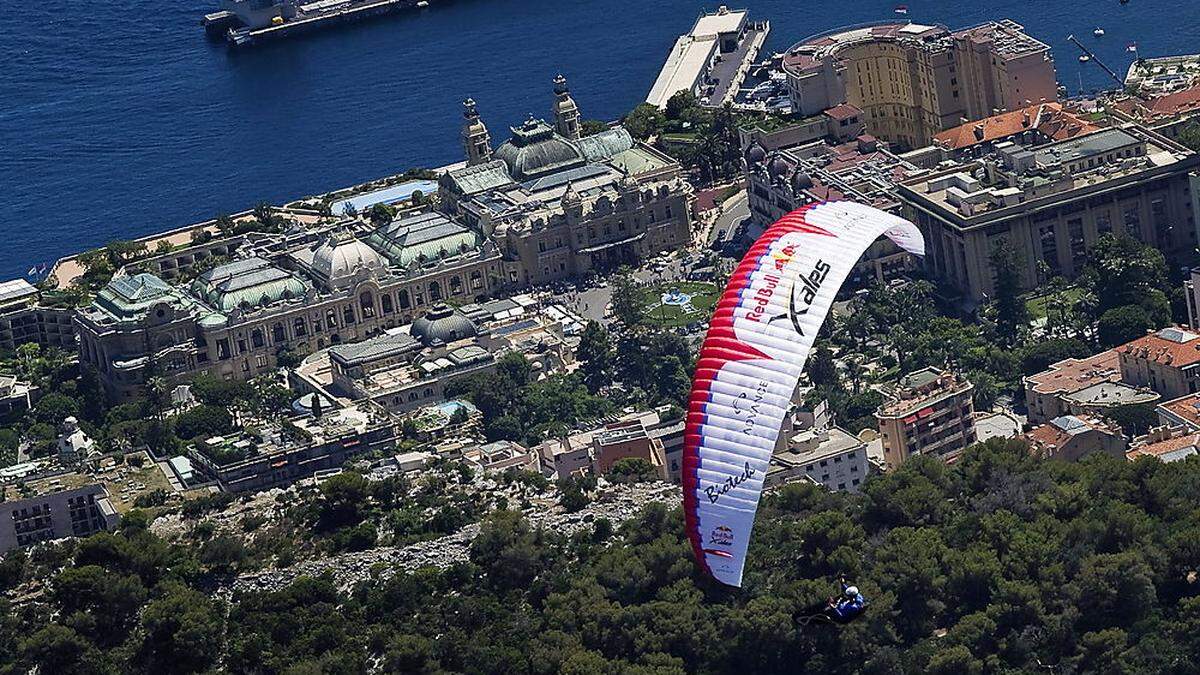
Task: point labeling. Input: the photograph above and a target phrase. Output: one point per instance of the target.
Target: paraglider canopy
(758, 341)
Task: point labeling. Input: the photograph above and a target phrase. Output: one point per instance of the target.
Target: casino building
(548, 204)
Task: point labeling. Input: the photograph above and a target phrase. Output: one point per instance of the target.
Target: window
(278, 335)
(855, 482)
(402, 297)
(810, 467)
(256, 338)
(367, 302)
(841, 486)
(261, 361)
(456, 285)
(385, 302)
(331, 319)
(824, 477)
(824, 462)
(348, 314)
(435, 291)
(837, 460)
(299, 327)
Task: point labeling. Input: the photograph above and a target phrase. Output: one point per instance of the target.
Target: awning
(925, 413)
(613, 244)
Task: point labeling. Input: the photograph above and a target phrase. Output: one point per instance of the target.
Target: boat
(1099, 32)
(1084, 58)
(423, 4)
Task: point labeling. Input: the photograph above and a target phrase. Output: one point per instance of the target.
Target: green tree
(1038, 356)
(342, 501)
(633, 470)
(1012, 316)
(628, 300)
(644, 121)
(182, 631)
(1122, 324)
(592, 127)
(203, 421)
(595, 353)
(821, 368)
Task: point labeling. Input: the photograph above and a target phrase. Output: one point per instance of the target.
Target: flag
(902, 9)
(1132, 47)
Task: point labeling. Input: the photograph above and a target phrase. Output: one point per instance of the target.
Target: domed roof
(343, 256)
(444, 324)
(778, 166)
(801, 181)
(755, 153)
(535, 150)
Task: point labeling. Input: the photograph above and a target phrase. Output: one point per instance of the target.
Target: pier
(712, 59)
(285, 18)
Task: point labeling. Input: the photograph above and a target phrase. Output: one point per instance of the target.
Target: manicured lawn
(703, 297)
(1037, 303)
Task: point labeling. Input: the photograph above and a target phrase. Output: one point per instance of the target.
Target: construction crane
(1092, 57)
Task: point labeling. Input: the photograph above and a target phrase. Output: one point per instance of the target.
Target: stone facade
(1050, 203)
(912, 80)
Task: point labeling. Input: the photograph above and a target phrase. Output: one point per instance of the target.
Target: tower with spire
(475, 138)
(566, 113)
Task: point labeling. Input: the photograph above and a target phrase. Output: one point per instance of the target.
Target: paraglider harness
(841, 609)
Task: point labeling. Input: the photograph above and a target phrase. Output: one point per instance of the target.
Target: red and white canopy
(757, 343)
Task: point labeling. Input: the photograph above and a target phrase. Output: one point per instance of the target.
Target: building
(1167, 361)
(502, 456)
(1081, 387)
(1190, 286)
(912, 81)
(862, 170)
(1070, 438)
(930, 412)
(24, 317)
(1163, 75)
(74, 446)
(547, 205)
(641, 434)
(1180, 412)
(234, 320)
(627, 440)
(78, 512)
(711, 59)
(561, 205)
(1032, 125)
(293, 450)
(1165, 113)
(16, 395)
(1168, 444)
(409, 367)
(831, 457)
(1050, 203)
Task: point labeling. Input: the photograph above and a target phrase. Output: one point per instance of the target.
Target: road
(728, 221)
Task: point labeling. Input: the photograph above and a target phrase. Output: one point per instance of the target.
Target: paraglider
(758, 341)
(840, 609)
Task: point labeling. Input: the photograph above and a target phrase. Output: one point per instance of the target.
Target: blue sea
(119, 119)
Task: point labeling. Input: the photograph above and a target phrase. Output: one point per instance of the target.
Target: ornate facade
(546, 205)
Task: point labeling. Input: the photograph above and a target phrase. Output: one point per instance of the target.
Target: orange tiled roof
(1154, 347)
(1048, 118)
(1184, 408)
(1071, 375)
(1175, 103)
(1047, 434)
(1159, 448)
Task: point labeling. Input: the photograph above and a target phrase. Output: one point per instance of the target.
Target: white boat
(1084, 58)
(423, 3)
(1099, 32)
